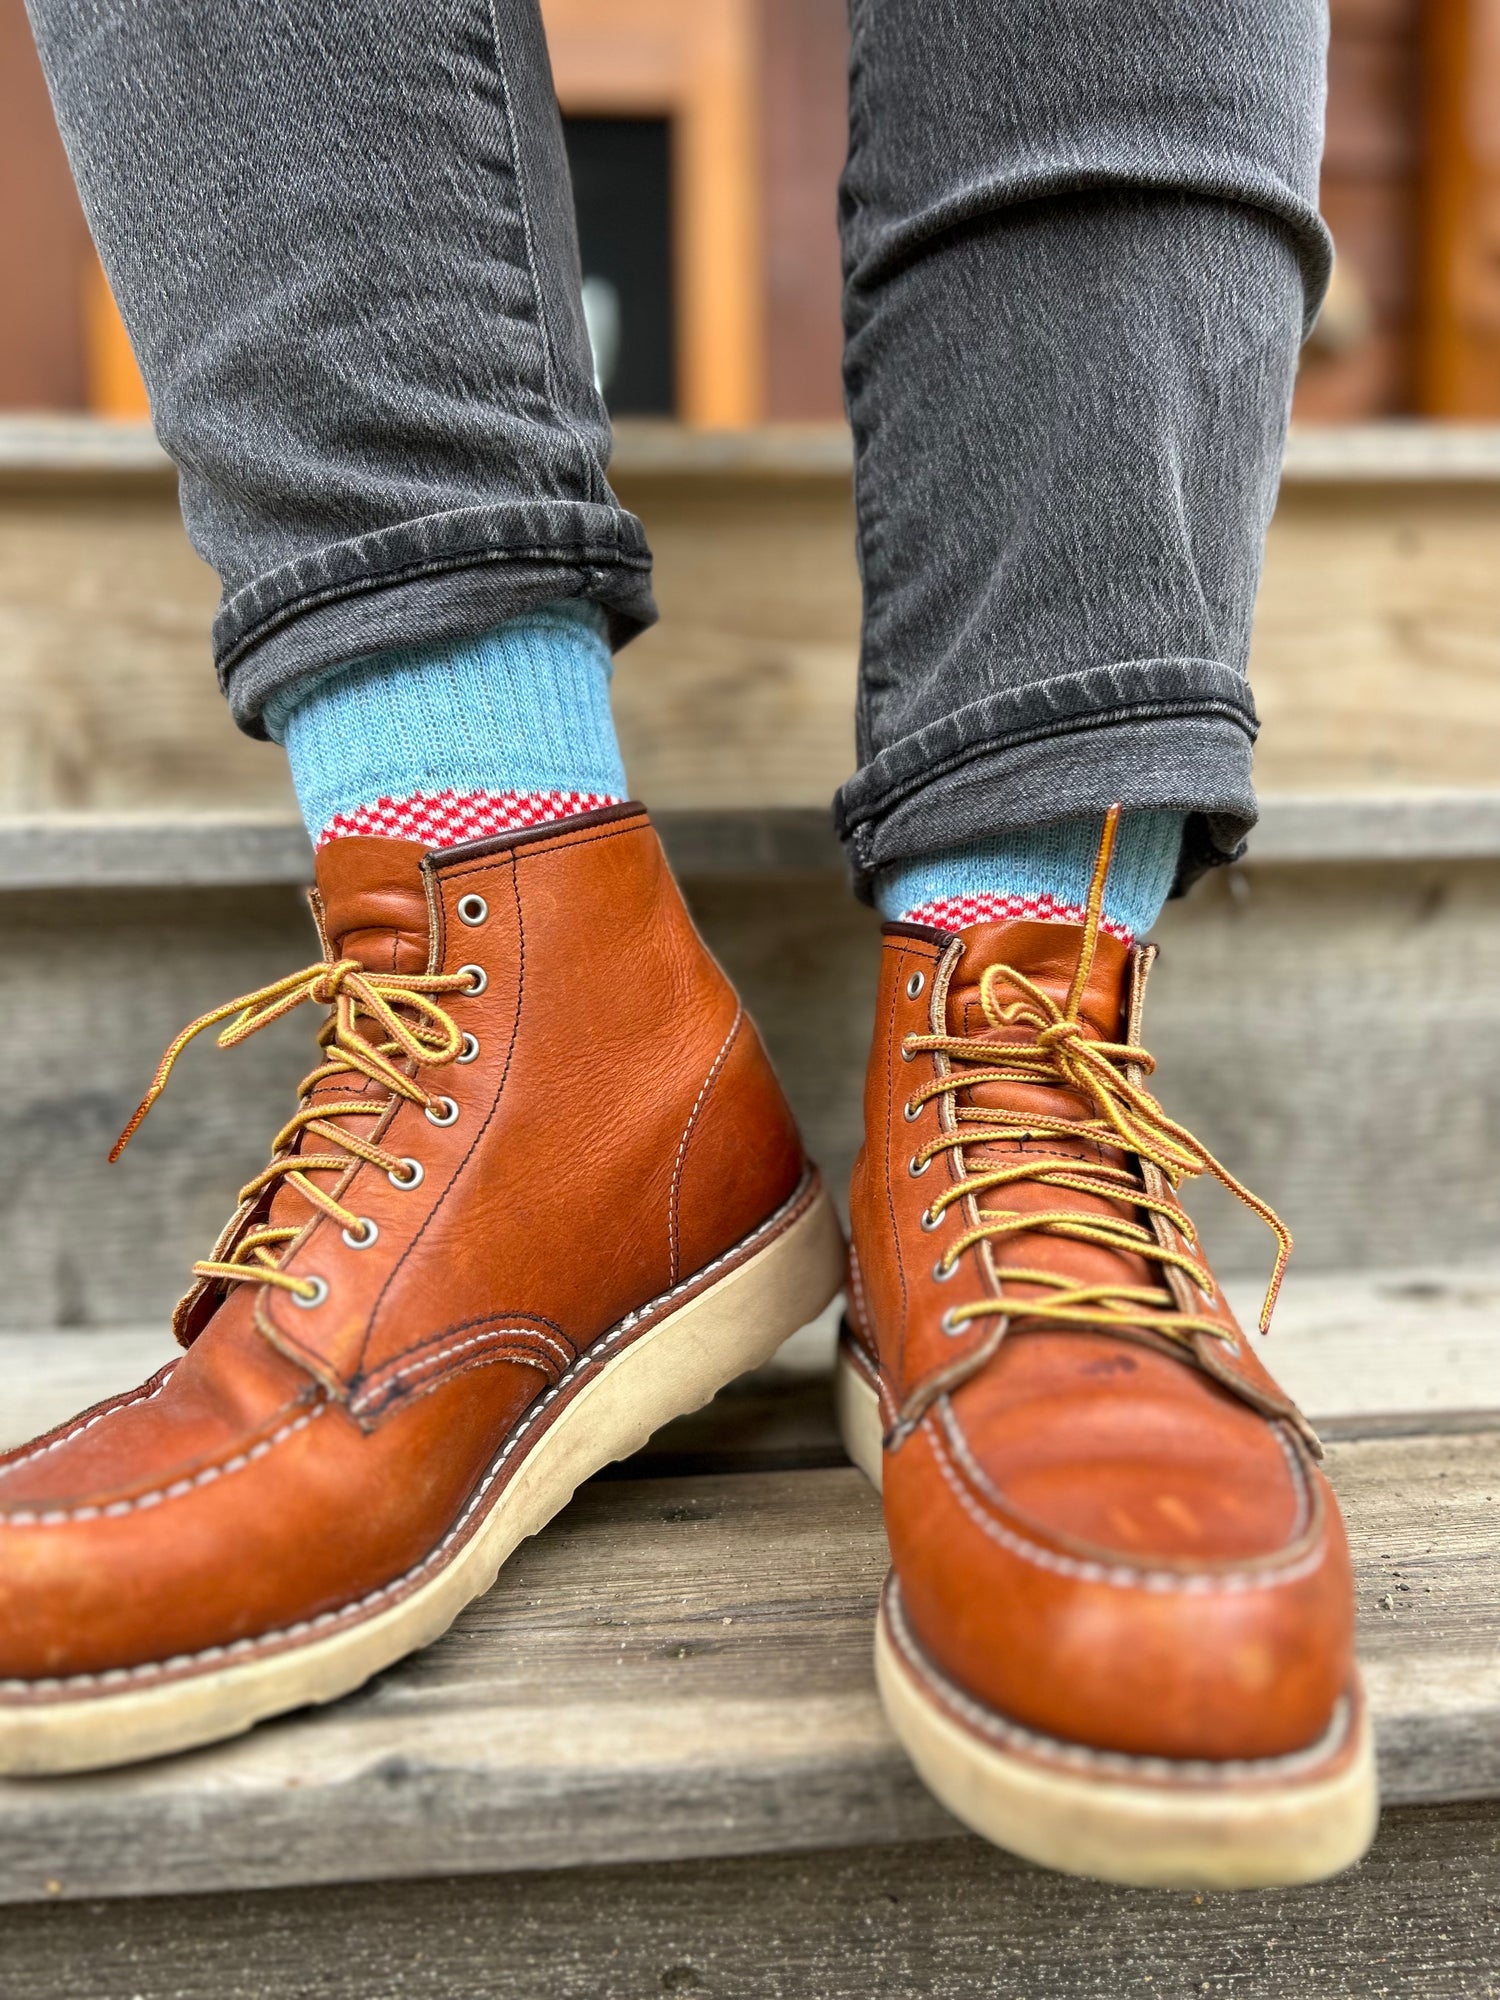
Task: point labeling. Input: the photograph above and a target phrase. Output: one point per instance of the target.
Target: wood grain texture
(681, 1667)
(949, 1920)
(85, 851)
(1376, 657)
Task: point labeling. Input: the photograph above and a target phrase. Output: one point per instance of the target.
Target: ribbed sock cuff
(1042, 874)
(452, 743)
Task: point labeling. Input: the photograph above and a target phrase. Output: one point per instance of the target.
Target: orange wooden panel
(1459, 362)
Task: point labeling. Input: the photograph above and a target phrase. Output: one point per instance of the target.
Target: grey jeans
(1081, 247)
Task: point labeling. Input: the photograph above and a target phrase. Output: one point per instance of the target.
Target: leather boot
(1117, 1636)
(541, 1194)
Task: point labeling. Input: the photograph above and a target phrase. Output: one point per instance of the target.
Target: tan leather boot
(542, 1194)
(1117, 1634)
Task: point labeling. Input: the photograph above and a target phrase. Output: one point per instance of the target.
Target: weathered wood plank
(950, 1920)
(1376, 657)
(68, 851)
(37, 447)
(682, 1668)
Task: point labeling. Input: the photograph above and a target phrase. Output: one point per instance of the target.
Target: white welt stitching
(87, 1422)
(687, 1133)
(53, 1517)
(152, 1669)
(1119, 1576)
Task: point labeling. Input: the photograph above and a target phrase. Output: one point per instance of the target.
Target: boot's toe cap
(1117, 1598)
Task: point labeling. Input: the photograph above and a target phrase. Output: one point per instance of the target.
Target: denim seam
(368, 581)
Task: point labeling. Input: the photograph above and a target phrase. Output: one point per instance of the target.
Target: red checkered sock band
(956, 913)
(448, 819)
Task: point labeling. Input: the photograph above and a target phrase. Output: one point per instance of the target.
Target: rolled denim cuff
(449, 576)
(1160, 735)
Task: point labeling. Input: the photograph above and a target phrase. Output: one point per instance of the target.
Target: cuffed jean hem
(1188, 758)
(453, 576)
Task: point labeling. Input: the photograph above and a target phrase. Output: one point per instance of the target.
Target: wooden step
(1320, 1023)
(1376, 657)
(681, 1668)
(943, 1920)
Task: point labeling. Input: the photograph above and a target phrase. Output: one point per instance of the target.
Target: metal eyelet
(916, 1166)
(478, 978)
(415, 1174)
(907, 1055)
(443, 1112)
(911, 1112)
(362, 1237)
(472, 909)
(931, 1221)
(949, 1326)
(468, 1048)
(319, 1293)
(943, 1272)
(915, 984)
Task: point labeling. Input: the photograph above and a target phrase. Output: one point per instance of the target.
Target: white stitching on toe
(53, 1517)
(1117, 1575)
(89, 1419)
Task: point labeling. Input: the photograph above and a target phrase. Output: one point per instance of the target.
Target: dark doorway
(622, 191)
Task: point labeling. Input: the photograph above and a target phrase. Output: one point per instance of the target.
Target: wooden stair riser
(1376, 657)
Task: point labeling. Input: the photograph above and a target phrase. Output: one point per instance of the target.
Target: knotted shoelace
(1060, 1051)
(425, 1041)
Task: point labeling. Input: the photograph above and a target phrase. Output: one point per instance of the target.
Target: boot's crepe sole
(1141, 1820)
(668, 1359)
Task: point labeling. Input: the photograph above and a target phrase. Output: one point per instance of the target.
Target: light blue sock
(1044, 872)
(452, 743)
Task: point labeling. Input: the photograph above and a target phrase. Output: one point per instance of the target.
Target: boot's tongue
(374, 902)
(1047, 954)
(374, 909)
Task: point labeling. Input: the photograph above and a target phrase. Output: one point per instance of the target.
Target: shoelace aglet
(138, 1118)
(1273, 1289)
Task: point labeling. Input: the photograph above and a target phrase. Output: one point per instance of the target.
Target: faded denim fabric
(1081, 248)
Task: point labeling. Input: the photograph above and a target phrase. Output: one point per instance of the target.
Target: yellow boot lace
(353, 993)
(1127, 1118)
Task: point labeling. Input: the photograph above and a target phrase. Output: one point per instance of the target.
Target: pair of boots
(543, 1193)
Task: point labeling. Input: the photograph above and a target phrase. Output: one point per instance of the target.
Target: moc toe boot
(1117, 1636)
(541, 1194)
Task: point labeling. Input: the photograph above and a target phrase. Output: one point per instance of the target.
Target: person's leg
(541, 1191)
(1081, 246)
(343, 245)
